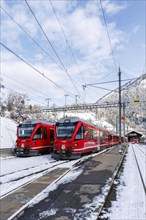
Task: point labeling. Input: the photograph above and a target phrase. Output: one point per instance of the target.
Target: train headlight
(22, 145)
(63, 147)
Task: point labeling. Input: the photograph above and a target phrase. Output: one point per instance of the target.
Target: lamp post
(65, 102)
(119, 106)
(65, 98)
(48, 99)
(76, 98)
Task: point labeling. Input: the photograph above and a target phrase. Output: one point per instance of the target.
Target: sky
(52, 49)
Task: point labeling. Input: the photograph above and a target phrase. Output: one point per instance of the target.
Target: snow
(130, 202)
(7, 132)
(131, 198)
(17, 168)
(66, 179)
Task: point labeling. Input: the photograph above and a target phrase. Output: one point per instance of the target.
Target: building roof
(133, 134)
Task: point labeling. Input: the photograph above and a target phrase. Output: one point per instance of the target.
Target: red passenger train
(74, 137)
(34, 137)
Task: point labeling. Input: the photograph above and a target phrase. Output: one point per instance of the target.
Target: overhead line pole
(120, 105)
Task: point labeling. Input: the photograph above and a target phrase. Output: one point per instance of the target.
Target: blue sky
(78, 35)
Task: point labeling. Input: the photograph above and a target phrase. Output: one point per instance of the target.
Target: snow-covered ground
(131, 197)
(130, 203)
(17, 171)
(7, 132)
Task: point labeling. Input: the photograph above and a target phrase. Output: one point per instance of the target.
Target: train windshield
(25, 131)
(65, 130)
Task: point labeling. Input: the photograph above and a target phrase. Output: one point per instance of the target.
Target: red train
(74, 137)
(34, 137)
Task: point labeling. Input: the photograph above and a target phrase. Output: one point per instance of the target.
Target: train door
(98, 140)
(45, 140)
(80, 138)
(92, 140)
(37, 138)
(51, 137)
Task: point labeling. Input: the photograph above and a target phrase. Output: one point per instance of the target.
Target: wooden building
(133, 136)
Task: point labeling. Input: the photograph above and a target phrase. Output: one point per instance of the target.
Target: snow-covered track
(142, 150)
(30, 172)
(24, 194)
(5, 152)
(28, 169)
(30, 190)
(139, 154)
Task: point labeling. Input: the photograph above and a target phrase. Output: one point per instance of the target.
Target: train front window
(25, 131)
(65, 131)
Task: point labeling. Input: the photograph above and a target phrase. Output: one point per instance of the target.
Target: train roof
(69, 119)
(74, 119)
(36, 121)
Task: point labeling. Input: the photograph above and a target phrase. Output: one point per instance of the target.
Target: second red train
(74, 137)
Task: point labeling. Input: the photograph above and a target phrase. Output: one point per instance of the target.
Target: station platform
(83, 196)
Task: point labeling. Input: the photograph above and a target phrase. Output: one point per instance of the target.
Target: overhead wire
(26, 62)
(30, 36)
(66, 39)
(108, 35)
(52, 47)
(91, 84)
(41, 97)
(36, 100)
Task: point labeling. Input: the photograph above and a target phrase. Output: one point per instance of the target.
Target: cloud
(85, 33)
(112, 7)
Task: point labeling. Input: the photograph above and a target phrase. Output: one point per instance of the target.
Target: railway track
(138, 155)
(12, 180)
(5, 152)
(139, 168)
(30, 173)
(49, 177)
(110, 185)
(142, 151)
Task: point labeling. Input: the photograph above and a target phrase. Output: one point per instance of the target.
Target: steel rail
(144, 187)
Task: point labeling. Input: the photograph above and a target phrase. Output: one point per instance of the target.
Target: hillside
(134, 97)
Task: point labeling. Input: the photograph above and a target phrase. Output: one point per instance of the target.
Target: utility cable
(66, 38)
(23, 84)
(71, 94)
(31, 97)
(30, 37)
(108, 33)
(52, 46)
(20, 88)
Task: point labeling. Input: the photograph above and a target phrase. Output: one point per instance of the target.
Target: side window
(80, 134)
(90, 134)
(51, 134)
(38, 134)
(45, 133)
(105, 136)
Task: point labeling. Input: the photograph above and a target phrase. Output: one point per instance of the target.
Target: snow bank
(7, 132)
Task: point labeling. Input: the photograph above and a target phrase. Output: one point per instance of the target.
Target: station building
(133, 136)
